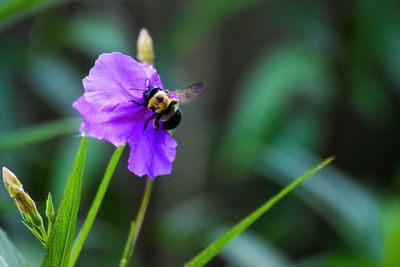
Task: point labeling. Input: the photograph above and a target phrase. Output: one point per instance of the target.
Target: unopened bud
(50, 208)
(24, 202)
(11, 182)
(145, 50)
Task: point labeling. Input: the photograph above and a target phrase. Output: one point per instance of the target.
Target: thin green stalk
(101, 191)
(43, 232)
(136, 225)
(36, 233)
(128, 250)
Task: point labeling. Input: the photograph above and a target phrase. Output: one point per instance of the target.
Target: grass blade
(214, 248)
(37, 134)
(87, 225)
(60, 242)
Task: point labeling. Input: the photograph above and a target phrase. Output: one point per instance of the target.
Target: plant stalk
(137, 225)
(101, 191)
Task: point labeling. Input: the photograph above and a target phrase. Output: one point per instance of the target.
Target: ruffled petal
(111, 80)
(152, 152)
(108, 112)
(115, 127)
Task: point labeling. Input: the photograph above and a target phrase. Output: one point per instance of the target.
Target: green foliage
(213, 249)
(87, 225)
(37, 134)
(136, 225)
(200, 17)
(50, 213)
(288, 82)
(268, 94)
(10, 10)
(357, 224)
(391, 228)
(59, 244)
(248, 249)
(9, 255)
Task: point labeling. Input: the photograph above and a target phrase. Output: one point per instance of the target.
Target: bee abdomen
(172, 121)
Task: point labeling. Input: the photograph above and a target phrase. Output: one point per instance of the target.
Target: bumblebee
(165, 107)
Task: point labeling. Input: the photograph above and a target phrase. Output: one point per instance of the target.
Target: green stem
(128, 250)
(87, 225)
(43, 232)
(136, 225)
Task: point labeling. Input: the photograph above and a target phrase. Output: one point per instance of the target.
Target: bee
(165, 107)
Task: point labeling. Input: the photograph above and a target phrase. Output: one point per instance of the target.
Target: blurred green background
(289, 83)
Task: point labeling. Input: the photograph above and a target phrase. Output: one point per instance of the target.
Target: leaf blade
(214, 248)
(9, 255)
(59, 245)
(87, 225)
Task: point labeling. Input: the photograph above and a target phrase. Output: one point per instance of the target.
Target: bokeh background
(289, 83)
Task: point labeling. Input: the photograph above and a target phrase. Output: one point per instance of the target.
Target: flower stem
(101, 191)
(136, 225)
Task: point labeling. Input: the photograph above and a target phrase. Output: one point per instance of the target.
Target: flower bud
(24, 202)
(145, 50)
(50, 213)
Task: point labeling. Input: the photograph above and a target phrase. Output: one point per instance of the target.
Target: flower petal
(152, 152)
(115, 127)
(112, 78)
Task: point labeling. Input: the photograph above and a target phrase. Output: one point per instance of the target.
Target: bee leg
(174, 102)
(156, 122)
(137, 103)
(148, 120)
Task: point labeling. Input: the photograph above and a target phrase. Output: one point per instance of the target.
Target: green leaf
(200, 17)
(44, 72)
(83, 233)
(269, 92)
(37, 134)
(14, 9)
(9, 255)
(249, 249)
(214, 248)
(93, 34)
(357, 224)
(60, 242)
(391, 232)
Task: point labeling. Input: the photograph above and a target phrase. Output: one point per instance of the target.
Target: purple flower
(109, 113)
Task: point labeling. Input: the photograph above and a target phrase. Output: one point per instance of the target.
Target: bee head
(159, 101)
(150, 92)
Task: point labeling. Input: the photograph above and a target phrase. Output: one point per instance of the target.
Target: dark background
(289, 83)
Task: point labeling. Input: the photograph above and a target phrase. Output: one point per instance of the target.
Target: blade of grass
(59, 244)
(214, 248)
(87, 225)
(39, 133)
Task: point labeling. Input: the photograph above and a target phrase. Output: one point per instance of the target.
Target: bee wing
(190, 92)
